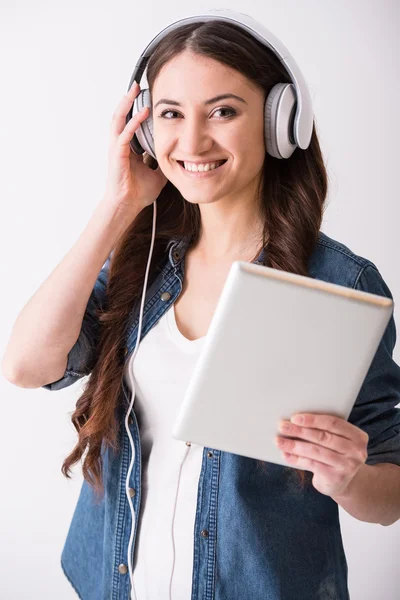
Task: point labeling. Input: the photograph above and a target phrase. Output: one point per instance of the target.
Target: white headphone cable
(173, 521)
(130, 566)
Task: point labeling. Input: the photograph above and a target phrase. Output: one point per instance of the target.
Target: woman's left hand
(333, 450)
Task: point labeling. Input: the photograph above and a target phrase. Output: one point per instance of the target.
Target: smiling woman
(259, 200)
(204, 522)
(209, 94)
(204, 131)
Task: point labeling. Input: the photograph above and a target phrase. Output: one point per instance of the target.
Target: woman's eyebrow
(210, 101)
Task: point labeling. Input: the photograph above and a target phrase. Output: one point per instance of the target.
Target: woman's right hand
(131, 185)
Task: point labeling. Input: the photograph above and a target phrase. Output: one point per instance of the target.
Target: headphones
(288, 116)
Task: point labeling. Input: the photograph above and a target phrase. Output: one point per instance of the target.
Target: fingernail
(297, 419)
(130, 89)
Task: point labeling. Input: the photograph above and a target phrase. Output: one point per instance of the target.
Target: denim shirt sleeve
(82, 356)
(375, 409)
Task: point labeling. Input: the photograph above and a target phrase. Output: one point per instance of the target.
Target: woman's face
(191, 125)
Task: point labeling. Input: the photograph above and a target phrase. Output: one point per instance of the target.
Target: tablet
(278, 344)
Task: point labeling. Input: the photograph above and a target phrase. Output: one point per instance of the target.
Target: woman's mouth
(202, 174)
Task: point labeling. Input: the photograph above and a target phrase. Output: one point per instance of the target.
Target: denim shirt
(258, 534)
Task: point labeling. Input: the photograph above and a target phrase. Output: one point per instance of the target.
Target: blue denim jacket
(257, 534)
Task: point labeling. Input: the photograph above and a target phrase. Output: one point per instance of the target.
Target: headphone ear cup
(279, 112)
(143, 140)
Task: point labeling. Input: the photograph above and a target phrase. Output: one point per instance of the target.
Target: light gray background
(64, 68)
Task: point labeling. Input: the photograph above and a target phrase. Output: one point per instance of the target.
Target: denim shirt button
(165, 296)
(210, 454)
(204, 533)
(132, 492)
(123, 569)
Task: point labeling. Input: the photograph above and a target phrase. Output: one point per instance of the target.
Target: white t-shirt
(170, 469)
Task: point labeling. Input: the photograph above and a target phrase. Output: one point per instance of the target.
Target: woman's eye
(165, 112)
(229, 110)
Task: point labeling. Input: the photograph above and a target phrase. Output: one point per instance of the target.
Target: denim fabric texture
(257, 534)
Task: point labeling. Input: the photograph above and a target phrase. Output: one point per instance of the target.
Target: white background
(64, 68)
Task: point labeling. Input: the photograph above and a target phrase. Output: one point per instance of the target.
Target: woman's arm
(374, 494)
(49, 325)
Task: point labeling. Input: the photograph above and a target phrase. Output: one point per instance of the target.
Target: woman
(209, 524)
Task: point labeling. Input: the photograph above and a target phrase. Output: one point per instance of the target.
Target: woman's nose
(194, 138)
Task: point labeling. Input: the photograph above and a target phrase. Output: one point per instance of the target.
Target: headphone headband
(303, 120)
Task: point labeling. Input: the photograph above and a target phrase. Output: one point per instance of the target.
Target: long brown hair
(293, 193)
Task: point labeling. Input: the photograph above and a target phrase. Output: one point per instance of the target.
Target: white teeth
(201, 168)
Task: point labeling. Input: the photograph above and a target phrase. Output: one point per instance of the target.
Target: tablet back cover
(278, 344)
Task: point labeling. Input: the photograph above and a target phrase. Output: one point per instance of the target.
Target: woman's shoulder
(336, 262)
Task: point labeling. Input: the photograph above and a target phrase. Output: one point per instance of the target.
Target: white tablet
(278, 344)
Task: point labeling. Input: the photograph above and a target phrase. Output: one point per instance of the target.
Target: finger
(133, 125)
(310, 465)
(321, 437)
(335, 425)
(118, 121)
(317, 453)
